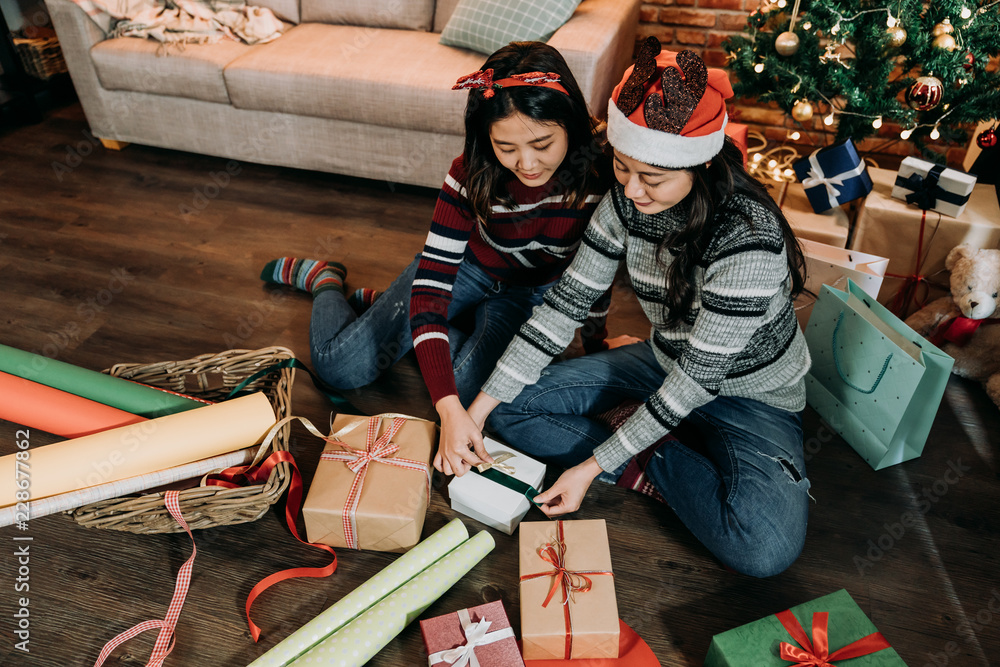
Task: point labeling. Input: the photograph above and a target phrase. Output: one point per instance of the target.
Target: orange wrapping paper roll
(37, 406)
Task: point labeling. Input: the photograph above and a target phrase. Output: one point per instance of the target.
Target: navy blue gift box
(833, 175)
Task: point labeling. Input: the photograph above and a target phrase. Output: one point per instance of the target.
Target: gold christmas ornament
(802, 111)
(896, 36)
(787, 43)
(946, 42)
(943, 28)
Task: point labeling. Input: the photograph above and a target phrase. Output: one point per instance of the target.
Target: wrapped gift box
(830, 227)
(740, 134)
(833, 175)
(891, 228)
(932, 187)
(482, 631)
(758, 643)
(386, 499)
(489, 501)
(585, 626)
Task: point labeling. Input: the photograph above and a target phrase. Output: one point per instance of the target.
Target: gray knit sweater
(740, 339)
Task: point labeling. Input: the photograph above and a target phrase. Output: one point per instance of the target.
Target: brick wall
(702, 26)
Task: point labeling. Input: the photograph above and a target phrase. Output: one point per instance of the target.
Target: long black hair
(714, 185)
(580, 173)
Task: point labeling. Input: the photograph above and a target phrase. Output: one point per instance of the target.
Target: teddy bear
(961, 324)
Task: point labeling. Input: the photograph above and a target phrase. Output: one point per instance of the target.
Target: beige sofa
(358, 87)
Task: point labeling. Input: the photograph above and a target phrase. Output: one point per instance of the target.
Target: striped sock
(362, 299)
(308, 275)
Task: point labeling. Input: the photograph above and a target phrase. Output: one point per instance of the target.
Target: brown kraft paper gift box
(592, 616)
(392, 502)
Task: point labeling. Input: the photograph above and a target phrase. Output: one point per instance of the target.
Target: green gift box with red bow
(831, 630)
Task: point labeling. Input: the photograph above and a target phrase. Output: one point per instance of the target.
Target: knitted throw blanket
(184, 21)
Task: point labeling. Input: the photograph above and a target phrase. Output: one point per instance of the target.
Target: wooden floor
(75, 219)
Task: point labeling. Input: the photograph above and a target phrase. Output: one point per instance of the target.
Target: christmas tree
(927, 67)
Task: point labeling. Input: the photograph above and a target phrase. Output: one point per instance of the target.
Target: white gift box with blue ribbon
(931, 187)
(833, 176)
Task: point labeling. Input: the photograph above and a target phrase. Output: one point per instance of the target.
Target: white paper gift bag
(829, 265)
(490, 502)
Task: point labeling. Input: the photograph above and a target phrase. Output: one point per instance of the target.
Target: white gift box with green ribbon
(490, 502)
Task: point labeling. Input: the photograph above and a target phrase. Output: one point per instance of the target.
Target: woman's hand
(461, 444)
(567, 494)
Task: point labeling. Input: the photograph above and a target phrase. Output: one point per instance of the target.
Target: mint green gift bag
(873, 379)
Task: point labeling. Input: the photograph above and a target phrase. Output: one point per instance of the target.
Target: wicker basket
(212, 377)
(40, 56)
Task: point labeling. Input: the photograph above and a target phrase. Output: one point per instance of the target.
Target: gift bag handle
(840, 371)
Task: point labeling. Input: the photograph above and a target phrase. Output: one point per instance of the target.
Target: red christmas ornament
(925, 93)
(987, 139)
(970, 60)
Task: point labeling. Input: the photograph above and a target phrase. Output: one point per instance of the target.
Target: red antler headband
(483, 80)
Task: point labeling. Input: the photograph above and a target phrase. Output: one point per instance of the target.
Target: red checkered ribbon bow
(378, 449)
(817, 652)
(165, 640)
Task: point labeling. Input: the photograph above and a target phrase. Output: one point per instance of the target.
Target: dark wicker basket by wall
(212, 377)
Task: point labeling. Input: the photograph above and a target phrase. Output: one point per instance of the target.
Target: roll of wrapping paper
(138, 449)
(55, 411)
(362, 598)
(357, 642)
(74, 499)
(116, 392)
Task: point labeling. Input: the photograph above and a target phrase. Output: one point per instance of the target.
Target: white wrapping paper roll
(137, 449)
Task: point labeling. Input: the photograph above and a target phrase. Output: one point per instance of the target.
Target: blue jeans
(350, 351)
(739, 484)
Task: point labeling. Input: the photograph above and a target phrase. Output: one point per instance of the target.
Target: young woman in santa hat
(715, 267)
(508, 221)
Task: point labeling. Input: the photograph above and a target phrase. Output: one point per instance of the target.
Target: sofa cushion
(286, 10)
(402, 14)
(487, 25)
(443, 10)
(146, 66)
(394, 78)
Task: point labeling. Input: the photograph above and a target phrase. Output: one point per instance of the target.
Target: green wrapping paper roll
(358, 641)
(362, 598)
(116, 392)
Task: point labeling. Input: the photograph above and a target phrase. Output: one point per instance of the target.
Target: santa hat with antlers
(669, 110)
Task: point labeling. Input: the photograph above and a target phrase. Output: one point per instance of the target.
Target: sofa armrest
(77, 34)
(597, 43)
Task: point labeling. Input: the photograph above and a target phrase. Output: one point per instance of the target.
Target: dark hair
(714, 186)
(579, 173)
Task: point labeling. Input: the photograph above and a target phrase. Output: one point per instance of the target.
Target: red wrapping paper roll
(38, 406)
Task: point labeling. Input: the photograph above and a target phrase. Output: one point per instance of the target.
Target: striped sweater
(741, 338)
(529, 245)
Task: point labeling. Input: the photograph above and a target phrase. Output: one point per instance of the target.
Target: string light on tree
(861, 65)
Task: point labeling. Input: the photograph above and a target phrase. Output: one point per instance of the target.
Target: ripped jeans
(739, 484)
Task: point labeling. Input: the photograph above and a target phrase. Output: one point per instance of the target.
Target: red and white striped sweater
(529, 245)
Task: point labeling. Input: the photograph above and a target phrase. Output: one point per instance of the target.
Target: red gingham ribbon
(165, 640)
(378, 449)
(570, 581)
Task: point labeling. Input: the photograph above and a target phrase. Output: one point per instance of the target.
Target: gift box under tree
(828, 630)
(931, 187)
(830, 227)
(917, 242)
(833, 176)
